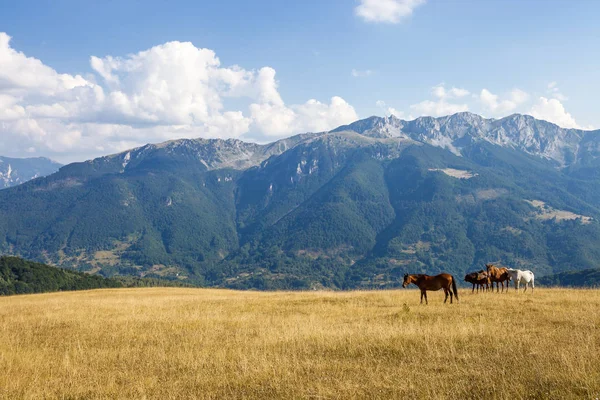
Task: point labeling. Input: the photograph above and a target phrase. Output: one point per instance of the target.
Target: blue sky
(283, 67)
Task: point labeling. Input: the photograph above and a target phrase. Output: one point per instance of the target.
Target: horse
(498, 275)
(427, 282)
(519, 277)
(480, 278)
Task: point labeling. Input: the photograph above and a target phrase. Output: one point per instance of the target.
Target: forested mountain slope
(355, 207)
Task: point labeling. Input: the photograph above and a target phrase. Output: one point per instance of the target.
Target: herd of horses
(483, 280)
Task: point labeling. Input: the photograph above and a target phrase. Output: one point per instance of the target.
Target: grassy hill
(18, 276)
(206, 343)
(585, 278)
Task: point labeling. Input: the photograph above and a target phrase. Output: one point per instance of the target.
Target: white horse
(518, 277)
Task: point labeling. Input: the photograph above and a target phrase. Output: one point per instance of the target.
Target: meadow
(174, 343)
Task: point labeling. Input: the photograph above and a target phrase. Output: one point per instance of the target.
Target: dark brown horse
(498, 275)
(427, 282)
(481, 279)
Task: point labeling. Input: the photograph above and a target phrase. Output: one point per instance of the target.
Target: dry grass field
(196, 343)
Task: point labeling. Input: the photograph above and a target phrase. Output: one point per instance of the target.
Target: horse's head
(471, 277)
(408, 279)
(489, 267)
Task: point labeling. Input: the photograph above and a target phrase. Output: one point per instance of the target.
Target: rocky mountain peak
(454, 132)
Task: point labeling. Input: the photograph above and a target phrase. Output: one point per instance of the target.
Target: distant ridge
(15, 171)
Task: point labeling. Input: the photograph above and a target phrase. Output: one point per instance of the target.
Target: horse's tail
(454, 288)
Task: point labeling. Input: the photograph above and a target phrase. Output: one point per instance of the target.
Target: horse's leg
(526, 284)
(451, 295)
(422, 297)
(446, 297)
(425, 293)
(473, 288)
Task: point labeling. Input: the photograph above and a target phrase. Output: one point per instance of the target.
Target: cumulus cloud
(437, 108)
(20, 73)
(312, 116)
(553, 110)
(386, 11)
(444, 103)
(168, 91)
(554, 91)
(387, 110)
(496, 106)
(441, 92)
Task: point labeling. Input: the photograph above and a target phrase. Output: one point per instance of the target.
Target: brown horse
(498, 275)
(480, 278)
(427, 282)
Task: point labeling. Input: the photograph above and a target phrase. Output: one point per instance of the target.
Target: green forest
(18, 276)
(589, 278)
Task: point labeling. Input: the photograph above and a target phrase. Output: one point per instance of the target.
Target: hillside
(355, 207)
(18, 276)
(14, 171)
(585, 278)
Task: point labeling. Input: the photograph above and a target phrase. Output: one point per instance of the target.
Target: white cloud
(168, 91)
(387, 110)
(437, 108)
(20, 73)
(387, 11)
(518, 96)
(312, 116)
(554, 91)
(450, 101)
(492, 103)
(444, 103)
(441, 92)
(361, 73)
(553, 110)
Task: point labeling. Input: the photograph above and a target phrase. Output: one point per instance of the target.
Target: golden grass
(172, 343)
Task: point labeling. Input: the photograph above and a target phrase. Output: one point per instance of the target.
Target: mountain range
(355, 207)
(14, 171)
